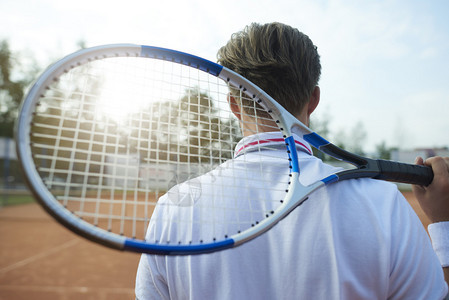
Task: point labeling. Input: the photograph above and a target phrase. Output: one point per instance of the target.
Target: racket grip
(405, 173)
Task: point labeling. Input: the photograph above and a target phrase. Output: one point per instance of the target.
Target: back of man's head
(278, 58)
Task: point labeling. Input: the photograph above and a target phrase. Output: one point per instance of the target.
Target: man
(358, 239)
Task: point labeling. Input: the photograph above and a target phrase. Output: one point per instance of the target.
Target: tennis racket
(117, 139)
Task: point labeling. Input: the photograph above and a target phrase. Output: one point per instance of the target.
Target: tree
(357, 138)
(190, 129)
(11, 92)
(14, 78)
(353, 142)
(382, 151)
(66, 135)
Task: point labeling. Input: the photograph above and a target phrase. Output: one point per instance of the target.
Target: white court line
(38, 256)
(67, 289)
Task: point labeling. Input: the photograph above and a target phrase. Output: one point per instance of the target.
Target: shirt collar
(269, 141)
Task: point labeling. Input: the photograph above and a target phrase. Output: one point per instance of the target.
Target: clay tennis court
(39, 259)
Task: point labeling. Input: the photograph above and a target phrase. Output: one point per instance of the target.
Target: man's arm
(434, 201)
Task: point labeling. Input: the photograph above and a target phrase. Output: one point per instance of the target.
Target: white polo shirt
(356, 239)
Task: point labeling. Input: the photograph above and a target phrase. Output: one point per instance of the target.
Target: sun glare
(124, 89)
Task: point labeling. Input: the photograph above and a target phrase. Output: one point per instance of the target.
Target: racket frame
(288, 124)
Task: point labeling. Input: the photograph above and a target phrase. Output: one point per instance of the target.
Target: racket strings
(112, 137)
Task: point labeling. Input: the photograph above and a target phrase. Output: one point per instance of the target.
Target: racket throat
(298, 193)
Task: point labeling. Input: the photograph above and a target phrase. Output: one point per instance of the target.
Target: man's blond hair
(278, 58)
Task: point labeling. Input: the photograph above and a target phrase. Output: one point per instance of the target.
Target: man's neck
(252, 126)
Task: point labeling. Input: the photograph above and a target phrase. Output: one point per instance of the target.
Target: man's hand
(434, 199)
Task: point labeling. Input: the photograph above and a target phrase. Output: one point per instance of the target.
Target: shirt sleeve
(415, 271)
(150, 280)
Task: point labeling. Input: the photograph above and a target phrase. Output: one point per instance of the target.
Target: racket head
(66, 139)
(100, 173)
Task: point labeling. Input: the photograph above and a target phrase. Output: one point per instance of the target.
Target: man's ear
(235, 108)
(314, 100)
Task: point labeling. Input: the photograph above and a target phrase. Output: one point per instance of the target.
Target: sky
(385, 64)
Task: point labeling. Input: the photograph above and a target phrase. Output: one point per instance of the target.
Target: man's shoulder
(322, 169)
(363, 192)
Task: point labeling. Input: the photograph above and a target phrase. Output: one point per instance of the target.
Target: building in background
(8, 164)
(408, 156)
